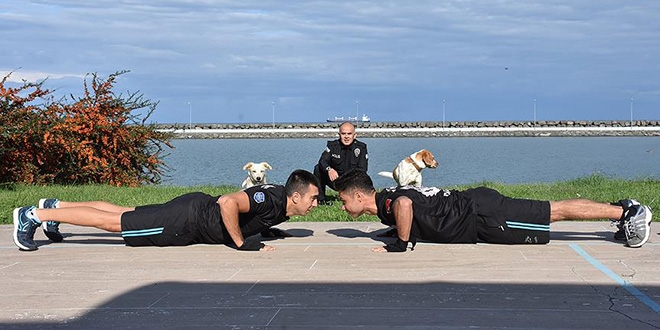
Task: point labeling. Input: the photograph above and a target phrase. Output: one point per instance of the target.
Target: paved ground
(327, 278)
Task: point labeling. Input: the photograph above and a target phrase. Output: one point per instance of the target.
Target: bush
(96, 138)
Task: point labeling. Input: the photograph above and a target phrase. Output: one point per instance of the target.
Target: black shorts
(168, 224)
(505, 220)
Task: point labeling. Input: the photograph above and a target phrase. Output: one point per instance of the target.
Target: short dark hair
(299, 181)
(355, 179)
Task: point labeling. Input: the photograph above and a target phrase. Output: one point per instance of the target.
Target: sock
(32, 214)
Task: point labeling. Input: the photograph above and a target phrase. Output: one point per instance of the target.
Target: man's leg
(52, 228)
(583, 209)
(85, 216)
(323, 181)
(28, 219)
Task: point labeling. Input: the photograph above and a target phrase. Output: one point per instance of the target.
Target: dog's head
(427, 158)
(257, 171)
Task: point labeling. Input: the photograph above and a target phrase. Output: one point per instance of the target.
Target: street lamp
(273, 104)
(357, 112)
(631, 112)
(443, 114)
(190, 112)
(534, 113)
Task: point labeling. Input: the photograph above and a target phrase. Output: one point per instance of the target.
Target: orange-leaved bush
(99, 137)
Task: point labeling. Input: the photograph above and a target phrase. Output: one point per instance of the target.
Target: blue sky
(230, 61)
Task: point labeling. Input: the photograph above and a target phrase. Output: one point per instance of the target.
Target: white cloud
(18, 76)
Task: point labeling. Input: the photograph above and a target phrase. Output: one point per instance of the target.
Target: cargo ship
(364, 119)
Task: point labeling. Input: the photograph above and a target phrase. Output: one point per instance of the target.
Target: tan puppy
(409, 170)
(256, 174)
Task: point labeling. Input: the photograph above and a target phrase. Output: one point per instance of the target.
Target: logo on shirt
(356, 152)
(387, 205)
(259, 197)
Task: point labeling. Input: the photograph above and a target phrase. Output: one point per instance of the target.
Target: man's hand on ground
(267, 248)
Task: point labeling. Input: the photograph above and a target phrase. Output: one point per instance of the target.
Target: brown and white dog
(256, 174)
(409, 170)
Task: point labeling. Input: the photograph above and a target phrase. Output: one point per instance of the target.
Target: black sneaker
(51, 228)
(24, 228)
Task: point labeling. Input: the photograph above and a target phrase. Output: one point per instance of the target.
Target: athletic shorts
(505, 220)
(168, 224)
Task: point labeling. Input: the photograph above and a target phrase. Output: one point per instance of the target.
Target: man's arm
(324, 161)
(402, 208)
(230, 207)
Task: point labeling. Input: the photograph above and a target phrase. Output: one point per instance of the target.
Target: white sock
(32, 214)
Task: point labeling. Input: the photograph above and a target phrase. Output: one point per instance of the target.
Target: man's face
(305, 203)
(351, 203)
(347, 134)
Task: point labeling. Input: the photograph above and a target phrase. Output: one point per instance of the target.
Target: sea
(462, 160)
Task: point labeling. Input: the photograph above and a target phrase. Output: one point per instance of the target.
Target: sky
(305, 61)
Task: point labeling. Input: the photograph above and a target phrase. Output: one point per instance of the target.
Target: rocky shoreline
(419, 129)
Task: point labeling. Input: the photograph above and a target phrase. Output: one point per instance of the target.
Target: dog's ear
(247, 166)
(427, 156)
(266, 165)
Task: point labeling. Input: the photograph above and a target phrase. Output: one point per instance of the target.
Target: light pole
(357, 112)
(190, 113)
(534, 113)
(273, 104)
(443, 115)
(631, 112)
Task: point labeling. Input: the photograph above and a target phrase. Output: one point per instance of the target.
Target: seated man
(339, 157)
(194, 218)
(479, 214)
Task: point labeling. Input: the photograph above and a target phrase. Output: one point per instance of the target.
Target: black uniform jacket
(344, 158)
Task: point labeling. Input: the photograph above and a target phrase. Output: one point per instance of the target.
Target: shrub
(99, 137)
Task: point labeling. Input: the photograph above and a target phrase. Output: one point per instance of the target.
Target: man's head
(356, 192)
(302, 190)
(347, 133)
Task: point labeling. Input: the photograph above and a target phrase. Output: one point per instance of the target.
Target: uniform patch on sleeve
(259, 197)
(388, 209)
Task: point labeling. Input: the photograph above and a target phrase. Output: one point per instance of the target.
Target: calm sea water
(462, 160)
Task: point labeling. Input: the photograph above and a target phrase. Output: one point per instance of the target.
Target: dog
(409, 170)
(256, 174)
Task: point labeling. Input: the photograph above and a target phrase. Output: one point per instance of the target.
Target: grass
(595, 187)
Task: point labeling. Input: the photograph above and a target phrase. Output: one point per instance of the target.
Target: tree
(99, 137)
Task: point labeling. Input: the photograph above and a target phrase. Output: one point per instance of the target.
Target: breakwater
(418, 129)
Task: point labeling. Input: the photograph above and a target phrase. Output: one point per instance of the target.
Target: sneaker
(636, 223)
(24, 228)
(620, 234)
(51, 228)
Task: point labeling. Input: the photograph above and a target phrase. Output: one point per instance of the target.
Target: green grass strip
(595, 187)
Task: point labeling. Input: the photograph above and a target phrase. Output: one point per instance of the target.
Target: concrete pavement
(327, 278)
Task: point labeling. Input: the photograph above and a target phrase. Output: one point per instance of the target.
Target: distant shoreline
(418, 129)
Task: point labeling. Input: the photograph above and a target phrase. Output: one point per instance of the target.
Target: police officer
(339, 157)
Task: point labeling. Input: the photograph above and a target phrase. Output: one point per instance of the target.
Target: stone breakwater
(418, 129)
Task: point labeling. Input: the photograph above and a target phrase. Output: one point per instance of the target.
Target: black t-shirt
(267, 208)
(439, 215)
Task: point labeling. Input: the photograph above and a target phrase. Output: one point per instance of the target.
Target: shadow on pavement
(432, 305)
